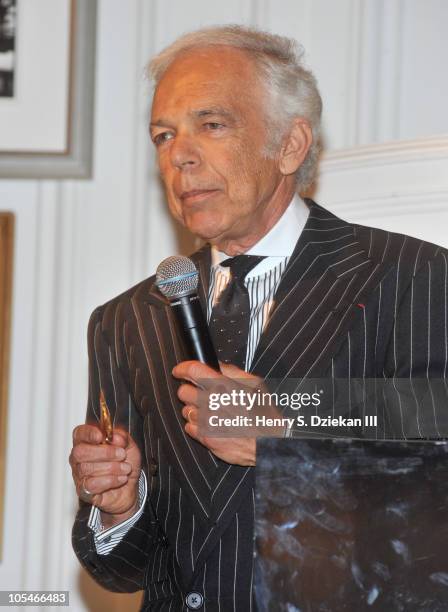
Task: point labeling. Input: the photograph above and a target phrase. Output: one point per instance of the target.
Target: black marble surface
(351, 525)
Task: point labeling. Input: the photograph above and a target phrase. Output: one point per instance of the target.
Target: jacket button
(152, 467)
(194, 600)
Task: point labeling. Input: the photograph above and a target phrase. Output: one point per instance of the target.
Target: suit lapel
(193, 464)
(329, 275)
(202, 261)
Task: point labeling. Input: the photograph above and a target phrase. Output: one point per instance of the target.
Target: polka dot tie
(229, 320)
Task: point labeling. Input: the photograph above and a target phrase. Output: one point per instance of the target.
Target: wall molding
(415, 204)
(394, 152)
(383, 179)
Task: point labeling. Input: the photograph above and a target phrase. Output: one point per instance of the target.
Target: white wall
(380, 64)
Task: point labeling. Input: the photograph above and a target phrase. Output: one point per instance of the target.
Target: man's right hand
(108, 472)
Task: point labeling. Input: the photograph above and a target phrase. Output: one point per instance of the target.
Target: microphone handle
(191, 322)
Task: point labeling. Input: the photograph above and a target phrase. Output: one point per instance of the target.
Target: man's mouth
(197, 195)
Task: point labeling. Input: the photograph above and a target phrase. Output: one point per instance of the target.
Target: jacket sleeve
(124, 568)
(416, 360)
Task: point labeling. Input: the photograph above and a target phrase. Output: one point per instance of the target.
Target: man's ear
(295, 146)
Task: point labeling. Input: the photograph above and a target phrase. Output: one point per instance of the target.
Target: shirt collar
(281, 239)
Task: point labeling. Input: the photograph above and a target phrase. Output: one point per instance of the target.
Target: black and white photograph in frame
(8, 24)
(46, 118)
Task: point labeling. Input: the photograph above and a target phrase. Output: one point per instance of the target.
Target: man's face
(209, 127)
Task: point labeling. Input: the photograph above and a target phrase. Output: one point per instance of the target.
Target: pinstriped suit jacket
(353, 302)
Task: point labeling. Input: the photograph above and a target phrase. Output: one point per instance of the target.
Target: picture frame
(6, 272)
(73, 92)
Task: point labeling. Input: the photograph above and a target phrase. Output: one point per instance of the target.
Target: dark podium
(351, 525)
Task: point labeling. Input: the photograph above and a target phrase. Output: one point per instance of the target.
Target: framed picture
(47, 70)
(6, 256)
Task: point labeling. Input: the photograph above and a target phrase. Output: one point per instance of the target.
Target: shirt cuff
(107, 539)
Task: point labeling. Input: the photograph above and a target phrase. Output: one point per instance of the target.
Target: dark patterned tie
(229, 320)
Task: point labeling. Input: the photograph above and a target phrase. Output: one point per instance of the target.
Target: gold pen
(106, 421)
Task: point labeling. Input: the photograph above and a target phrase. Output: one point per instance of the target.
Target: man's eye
(213, 125)
(159, 139)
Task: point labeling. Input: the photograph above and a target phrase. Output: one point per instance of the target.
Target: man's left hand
(237, 451)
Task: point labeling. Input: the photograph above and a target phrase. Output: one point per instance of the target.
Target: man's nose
(184, 153)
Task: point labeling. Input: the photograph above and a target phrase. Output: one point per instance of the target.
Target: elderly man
(164, 508)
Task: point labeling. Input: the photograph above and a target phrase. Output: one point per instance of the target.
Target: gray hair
(292, 89)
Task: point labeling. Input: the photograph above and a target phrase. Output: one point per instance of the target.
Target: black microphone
(177, 279)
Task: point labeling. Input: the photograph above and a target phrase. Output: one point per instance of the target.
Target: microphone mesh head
(177, 276)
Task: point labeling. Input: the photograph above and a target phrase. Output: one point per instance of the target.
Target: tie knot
(241, 265)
